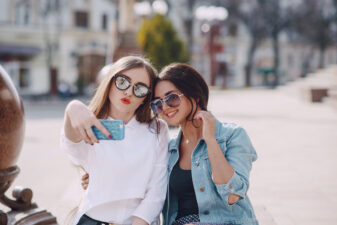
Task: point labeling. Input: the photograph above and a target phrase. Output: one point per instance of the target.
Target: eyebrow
(143, 84)
(129, 78)
(166, 94)
(169, 92)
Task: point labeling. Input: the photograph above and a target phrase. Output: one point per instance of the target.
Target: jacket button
(230, 187)
(196, 163)
(206, 212)
(202, 189)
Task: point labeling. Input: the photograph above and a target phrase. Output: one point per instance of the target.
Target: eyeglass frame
(162, 100)
(130, 84)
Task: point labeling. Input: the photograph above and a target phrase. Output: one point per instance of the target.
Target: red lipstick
(125, 101)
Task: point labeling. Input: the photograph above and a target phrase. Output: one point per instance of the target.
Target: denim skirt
(193, 219)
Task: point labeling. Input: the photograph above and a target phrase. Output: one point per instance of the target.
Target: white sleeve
(152, 204)
(77, 152)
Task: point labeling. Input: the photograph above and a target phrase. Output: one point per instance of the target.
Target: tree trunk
(306, 63)
(276, 59)
(249, 65)
(321, 56)
(189, 26)
(49, 58)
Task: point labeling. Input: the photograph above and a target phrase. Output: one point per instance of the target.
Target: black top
(181, 185)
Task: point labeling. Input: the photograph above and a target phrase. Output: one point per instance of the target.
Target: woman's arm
(230, 174)
(139, 221)
(78, 122)
(222, 171)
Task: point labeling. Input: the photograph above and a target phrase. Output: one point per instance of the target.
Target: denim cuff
(234, 186)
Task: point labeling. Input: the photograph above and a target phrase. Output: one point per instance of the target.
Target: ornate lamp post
(212, 16)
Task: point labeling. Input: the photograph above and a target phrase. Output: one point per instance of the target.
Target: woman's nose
(165, 106)
(128, 91)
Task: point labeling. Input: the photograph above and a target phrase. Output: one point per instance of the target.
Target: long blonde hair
(99, 104)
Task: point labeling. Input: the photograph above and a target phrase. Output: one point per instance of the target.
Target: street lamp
(212, 15)
(145, 8)
(160, 7)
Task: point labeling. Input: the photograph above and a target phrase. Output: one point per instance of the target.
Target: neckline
(132, 122)
(183, 169)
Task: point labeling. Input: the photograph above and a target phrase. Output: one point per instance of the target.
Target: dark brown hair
(189, 82)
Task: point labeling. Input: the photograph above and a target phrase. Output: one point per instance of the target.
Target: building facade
(232, 42)
(45, 43)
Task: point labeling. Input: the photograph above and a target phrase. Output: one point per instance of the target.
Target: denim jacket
(212, 198)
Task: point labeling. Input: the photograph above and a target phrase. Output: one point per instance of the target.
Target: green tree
(160, 42)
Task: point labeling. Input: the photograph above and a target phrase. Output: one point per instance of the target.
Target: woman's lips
(171, 114)
(125, 101)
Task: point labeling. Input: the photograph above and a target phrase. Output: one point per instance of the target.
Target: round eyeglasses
(172, 100)
(123, 82)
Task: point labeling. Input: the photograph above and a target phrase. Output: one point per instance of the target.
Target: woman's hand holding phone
(115, 128)
(82, 119)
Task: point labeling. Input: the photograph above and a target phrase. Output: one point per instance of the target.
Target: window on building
(290, 60)
(81, 19)
(233, 29)
(104, 21)
(22, 13)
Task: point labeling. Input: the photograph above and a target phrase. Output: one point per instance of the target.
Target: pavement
(293, 182)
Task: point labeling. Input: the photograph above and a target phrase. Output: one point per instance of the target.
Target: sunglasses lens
(157, 106)
(122, 83)
(172, 100)
(140, 91)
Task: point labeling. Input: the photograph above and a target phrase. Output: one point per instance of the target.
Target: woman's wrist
(210, 141)
(139, 221)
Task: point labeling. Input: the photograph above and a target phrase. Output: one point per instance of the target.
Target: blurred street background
(293, 182)
(271, 66)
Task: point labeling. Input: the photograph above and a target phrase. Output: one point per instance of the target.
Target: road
(293, 182)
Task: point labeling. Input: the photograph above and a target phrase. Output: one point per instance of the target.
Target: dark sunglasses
(172, 100)
(123, 82)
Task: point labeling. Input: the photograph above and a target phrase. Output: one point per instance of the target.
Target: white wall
(40, 79)
(4, 11)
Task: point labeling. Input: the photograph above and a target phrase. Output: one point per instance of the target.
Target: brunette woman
(209, 162)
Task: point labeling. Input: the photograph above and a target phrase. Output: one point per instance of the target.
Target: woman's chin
(171, 121)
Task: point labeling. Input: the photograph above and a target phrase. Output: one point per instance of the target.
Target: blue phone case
(115, 127)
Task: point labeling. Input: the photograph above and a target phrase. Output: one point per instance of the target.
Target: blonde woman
(128, 178)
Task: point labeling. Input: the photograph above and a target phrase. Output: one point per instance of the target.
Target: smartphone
(115, 127)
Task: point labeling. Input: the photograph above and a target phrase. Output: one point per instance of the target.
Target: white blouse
(126, 178)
